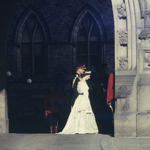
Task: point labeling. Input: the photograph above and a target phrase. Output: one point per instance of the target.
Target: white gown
(81, 119)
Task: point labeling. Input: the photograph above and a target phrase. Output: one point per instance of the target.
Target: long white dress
(81, 119)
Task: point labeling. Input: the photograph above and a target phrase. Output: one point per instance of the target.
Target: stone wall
(58, 19)
(143, 42)
(131, 68)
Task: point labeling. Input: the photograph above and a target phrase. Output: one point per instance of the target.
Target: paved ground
(50, 142)
(121, 143)
(14, 141)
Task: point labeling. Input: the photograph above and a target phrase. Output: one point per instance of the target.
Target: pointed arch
(32, 41)
(88, 36)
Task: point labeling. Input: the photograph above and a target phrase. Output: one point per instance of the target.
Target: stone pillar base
(143, 124)
(4, 125)
(125, 125)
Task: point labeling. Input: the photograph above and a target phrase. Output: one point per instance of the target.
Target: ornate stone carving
(123, 63)
(121, 11)
(145, 34)
(147, 58)
(147, 13)
(142, 7)
(122, 88)
(123, 38)
(147, 20)
(122, 92)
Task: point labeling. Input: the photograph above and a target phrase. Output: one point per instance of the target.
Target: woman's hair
(86, 73)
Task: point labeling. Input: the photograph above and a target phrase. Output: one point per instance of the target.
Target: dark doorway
(93, 50)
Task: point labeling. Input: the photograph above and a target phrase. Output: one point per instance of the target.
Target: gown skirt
(81, 119)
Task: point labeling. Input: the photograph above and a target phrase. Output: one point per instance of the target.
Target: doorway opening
(93, 48)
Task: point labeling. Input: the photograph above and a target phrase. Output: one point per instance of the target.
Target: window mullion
(89, 46)
(32, 57)
(33, 51)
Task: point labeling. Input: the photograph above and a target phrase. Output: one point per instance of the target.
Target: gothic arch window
(33, 48)
(89, 45)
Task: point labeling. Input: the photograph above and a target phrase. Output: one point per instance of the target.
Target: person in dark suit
(80, 69)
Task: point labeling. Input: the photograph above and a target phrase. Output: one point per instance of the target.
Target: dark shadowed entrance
(44, 46)
(94, 47)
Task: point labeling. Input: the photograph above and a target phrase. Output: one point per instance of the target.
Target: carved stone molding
(145, 34)
(123, 38)
(123, 85)
(142, 7)
(147, 20)
(121, 11)
(123, 63)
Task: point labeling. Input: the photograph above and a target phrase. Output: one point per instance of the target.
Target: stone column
(132, 69)
(4, 121)
(126, 106)
(126, 76)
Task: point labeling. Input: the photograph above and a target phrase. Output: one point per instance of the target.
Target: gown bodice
(82, 87)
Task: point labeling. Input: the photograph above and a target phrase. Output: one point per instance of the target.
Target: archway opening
(94, 41)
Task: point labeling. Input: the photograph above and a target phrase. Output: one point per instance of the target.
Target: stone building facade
(121, 39)
(131, 67)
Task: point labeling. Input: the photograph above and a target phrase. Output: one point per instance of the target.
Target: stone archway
(99, 78)
(131, 67)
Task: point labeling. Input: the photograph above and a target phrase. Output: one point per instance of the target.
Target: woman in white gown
(81, 119)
